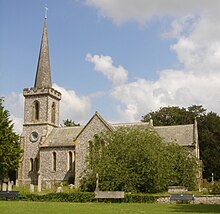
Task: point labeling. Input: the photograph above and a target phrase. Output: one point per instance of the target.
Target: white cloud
(14, 103)
(197, 47)
(143, 11)
(104, 64)
(73, 106)
(172, 88)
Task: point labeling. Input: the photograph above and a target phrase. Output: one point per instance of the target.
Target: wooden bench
(109, 194)
(182, 197)
(9, 194)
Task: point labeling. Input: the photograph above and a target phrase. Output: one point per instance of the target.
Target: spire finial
(46, 9)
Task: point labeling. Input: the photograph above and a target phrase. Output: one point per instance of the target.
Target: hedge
(87, 197)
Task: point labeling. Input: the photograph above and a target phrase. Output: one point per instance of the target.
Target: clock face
(34, 136)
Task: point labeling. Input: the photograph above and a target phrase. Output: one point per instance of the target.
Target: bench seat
(9, 194)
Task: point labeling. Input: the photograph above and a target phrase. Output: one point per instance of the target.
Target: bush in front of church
(137, 160)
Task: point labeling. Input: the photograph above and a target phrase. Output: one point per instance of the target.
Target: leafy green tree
(10, 151)
(174, 115)
(137, 160)
(70, 123)
(208, 130)
(209, 141)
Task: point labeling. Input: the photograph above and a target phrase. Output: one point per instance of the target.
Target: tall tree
(10, 150)
(174, 115)
(137, 160)
(209, 141)
(208, 130)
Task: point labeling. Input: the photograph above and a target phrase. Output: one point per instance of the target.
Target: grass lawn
(27, 207)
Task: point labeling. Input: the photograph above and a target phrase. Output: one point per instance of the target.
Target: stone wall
(93, 127)
(62, 172)
(208, 199)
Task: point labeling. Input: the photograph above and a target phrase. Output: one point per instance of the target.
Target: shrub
(216, 187)
(60, 197)
(84, 197)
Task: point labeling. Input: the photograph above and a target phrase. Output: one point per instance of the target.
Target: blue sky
(121, 58)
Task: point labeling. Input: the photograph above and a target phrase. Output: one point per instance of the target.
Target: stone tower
(41, 115)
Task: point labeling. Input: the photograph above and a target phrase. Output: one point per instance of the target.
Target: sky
(123, 58)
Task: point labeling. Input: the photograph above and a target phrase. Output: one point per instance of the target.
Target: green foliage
(208, 130)
(174, 115)
(209, 141)
(136, 160)
(216, 187)
(139, 198)
(70, 123)
(10, 151)
(61, 197)
(84, 197)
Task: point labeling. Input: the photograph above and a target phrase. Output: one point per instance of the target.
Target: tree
(10, 151)
(174, 115)
(209, 141)
(137, 160)
(69, 123)
(208, 131)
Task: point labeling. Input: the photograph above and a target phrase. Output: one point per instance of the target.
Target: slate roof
(62, 136)
(181, 134)
(65, 136)
(134, 124)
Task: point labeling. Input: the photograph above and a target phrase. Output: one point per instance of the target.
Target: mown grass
(24, 207)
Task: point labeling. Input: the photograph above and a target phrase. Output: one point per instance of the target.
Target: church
(54, 154)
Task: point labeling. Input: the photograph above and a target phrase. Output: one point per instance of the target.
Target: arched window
(36, 164)
(54, 161)
(53, 112)
(31, 164)
(70, 161)
(35, 110)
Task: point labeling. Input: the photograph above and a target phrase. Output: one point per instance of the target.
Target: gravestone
(71, 186)
(60, 188)
(4, 187)
(31, 188)
(9, 186)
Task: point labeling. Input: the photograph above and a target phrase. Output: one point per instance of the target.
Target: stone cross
(39, 183)
(97, 182)
(46, 9)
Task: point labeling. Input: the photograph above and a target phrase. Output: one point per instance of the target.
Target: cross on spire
(46, 9)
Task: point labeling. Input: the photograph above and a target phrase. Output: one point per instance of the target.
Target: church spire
(43, 77)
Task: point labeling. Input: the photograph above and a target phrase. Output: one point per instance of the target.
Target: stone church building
(58, 154)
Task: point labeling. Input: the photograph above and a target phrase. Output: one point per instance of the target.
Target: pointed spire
(43, 77)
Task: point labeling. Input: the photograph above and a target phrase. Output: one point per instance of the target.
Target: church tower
(41, 114)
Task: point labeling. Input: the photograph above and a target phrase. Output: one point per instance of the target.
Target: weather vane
(46, 9)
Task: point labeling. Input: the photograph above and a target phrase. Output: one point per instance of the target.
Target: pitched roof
(103, 121)
(43, 77)
(181, 134)
(62, 136)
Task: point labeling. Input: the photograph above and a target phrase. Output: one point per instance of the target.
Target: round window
(34, 136)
